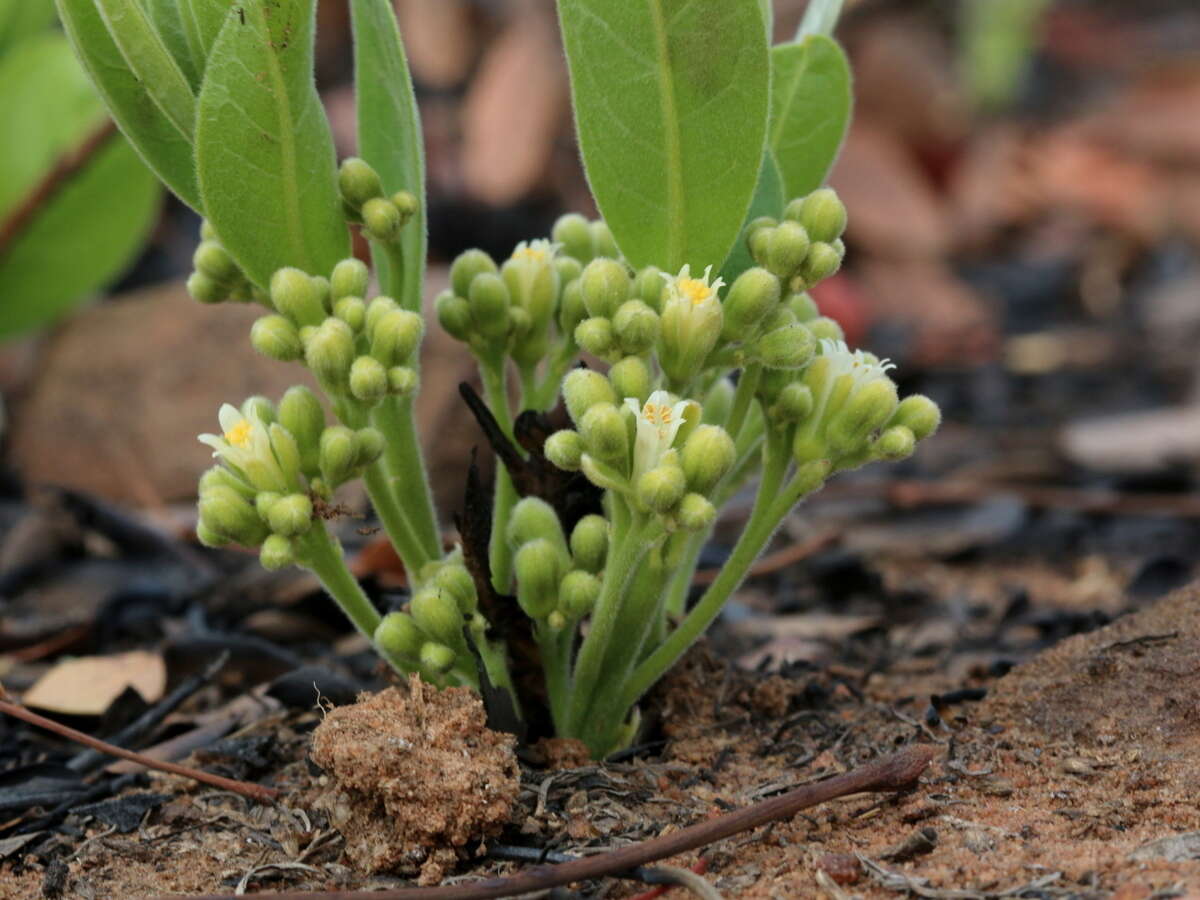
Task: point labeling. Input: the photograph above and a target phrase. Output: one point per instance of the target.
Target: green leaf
(20, 19)
(768, 201)
(389, 132)
(84, 238)
(264, 151)
(671, 103)
(168, 22)
(810, 111)
(202, 21)
(160, 144)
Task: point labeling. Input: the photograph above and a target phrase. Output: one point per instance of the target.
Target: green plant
(691, 158)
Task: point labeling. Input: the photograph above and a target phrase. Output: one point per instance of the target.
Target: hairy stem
(321, 554)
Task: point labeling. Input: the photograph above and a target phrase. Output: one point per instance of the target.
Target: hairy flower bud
(532, 280)
(718, 402)
(758, 236)
(358, 181)
(368, 446)
(352, 311)
(794, 403)
(403, 381)
(822, 214)
(330, 353)
(226, 513)
(823, 260)
(276, 337)
(466, 266)
(635, 327)
(787, 247)
(396, 336)
(338, 454)
(437, 657)
(406, 204)
(203, 289)
(398, 637)
(454, 315)
(575, 234)
(376, 310)
(751, 296)
(368, 380)
(696, 512)
(649, 286)
(577, 594)
(571, 310)
(589, 542)
(662, 488)
(213, 261)
(301, 414)
(604, 433)
(538, 565)
(605, 285)
(534, 519)
(582, 389)
(455, 581)
(603, 243)
(489, 301)
(691, 323)
(290, 515)
(824, 328)
(564, 449)
(287, 452)
(381, 219)
(437, 614)
(918, 414)
(803, 307)
(789, 347)
(350, 278)
(896, 442)
(867, 410)
(276, 552)
(707, 455)
(568, 267)
(596, 336)
(297, 296)
(631, 377)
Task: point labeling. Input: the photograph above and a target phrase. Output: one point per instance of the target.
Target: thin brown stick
(892, 773)
(245, 788)
(52, 182)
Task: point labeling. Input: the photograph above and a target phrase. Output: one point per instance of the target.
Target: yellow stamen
(239, 434)
(694, 289)
(533, 254)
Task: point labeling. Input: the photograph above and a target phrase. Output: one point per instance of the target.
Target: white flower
(658, 421)
(245, 446)
(862, 367)
(691, 323)
(539, 251)
(697, 291)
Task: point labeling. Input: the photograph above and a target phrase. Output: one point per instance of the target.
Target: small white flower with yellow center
(862, 367)
(658, 422)
(540, 252)
(532, 279)
(691, 322)
(245, 445)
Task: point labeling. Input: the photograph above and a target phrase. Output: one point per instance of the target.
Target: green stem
(746, 386)
(323, 556)
(770, 506)
(405, 463)
(410, 549)
(556, 666)
(681, 580)
(495, 392)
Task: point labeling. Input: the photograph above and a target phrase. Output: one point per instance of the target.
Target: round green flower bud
(338, 454)
(534, 519)
(368, 446)
(758, 237)
(489, 301)
(718, 402)
(260, 406)
(606, 285)
(321, 283)
(823, 260)
(803, 306)
(571, 310)
(263, 503)
(396, 336)
(575, 235)
(631, 377)
(532, 280)
(895, 443)
(358, 181)
(210, 538)
(214, 261)
(455, 581)
(301, 414)
(577, 594)
(381, 220)
(438, 657)
(403, 381)
(662, 488)
(276, 337)
(822, 214)
(707, 455)
(787, 248)
(603, 243)
(556, 621)
(287, 452)
(918, 414)
(794, 403)
(368, 380)
(397, 636)
(352, 311)
(291, 515)
(636, 327)
(225, 512)
(330, 353)
(276, 552)
(824, 328)
(454, 315)
(696, 513)
(569, 269)
(219, 475)
(867, 410)
(376, 310)
(789, 347)
(466, 266)
(204, 289)
(406, 204)
(350, 278)
(751, 296)
(582, 389)
(297, 296)
(437, 614)
(519, 323)
(564, 449)
(589, 542)
(604, 433)
(595, 335)
(648, 286)
(538, 566)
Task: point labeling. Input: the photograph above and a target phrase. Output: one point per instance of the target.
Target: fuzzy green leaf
(168, 22)
(671, 104)
(151, 62)
(264, 151)
(810, 110)
(202, 21)
(768, 201)
(20, 19)
(389, 132)
(158, 142)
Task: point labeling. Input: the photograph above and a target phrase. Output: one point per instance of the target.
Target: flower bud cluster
(365, 203)
(805, 247)
(275, 461)
(582, 240)
(364, 350)
(215, 276)
(431, 635)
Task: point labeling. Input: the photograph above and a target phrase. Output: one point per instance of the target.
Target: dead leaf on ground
(87, 686)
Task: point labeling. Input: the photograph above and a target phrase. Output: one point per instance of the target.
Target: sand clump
(414, 774)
